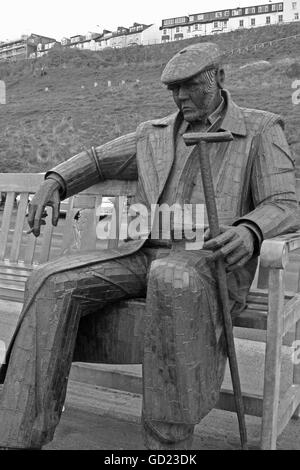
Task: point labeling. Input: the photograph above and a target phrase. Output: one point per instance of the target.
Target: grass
(40, 128)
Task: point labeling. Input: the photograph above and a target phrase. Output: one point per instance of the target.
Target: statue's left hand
(235, 245)
(47, 195)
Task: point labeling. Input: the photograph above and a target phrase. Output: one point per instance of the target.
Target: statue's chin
(190, 116)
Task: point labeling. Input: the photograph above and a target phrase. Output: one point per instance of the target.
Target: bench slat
(47, 237)
(115, 226)
(13, 278)
(9, 204)
(67, 233)
(18, 233)
(30, 249)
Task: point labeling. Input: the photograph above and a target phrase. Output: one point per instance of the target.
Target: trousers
(184, 350)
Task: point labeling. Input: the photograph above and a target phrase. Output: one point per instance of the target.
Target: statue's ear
(220, 76)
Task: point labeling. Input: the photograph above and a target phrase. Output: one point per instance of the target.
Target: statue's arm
(273, 186)
(113, 160)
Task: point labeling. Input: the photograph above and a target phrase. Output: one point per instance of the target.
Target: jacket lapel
(155, 155)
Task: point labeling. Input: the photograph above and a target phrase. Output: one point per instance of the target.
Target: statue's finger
(233, 246)
(37, 221)
(32, 229)
(238, 265)
(236, 257)
(215, 256)
(55, 214)
(219, 241)
(31, 215)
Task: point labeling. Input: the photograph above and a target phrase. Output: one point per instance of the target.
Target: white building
(137, 34)
(23, 48)
(43, 49)
(105, 39)
(291, 10)
(215, 22)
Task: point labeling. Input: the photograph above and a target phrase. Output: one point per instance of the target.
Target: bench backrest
(19, 249)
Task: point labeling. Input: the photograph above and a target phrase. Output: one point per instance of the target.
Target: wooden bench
(116, 337)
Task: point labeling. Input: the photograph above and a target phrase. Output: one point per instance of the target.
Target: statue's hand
(47, 195)
(235, 245)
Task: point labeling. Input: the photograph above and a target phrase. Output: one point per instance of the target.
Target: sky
(60, 18)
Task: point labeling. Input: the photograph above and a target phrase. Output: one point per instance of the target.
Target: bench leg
(296, 370)
(273, 360)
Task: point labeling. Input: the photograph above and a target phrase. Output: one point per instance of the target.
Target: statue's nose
(182, 93)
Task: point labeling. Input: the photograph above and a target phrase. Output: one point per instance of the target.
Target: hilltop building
(43, 49)
(23, 48)
(215, 22)
(137, 34)
(171, 29)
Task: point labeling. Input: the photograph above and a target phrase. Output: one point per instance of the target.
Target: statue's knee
(174, 273)
(53, 282)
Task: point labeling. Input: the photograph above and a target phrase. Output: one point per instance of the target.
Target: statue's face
(196, 97)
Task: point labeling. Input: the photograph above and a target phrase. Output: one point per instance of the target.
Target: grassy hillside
(40, 128)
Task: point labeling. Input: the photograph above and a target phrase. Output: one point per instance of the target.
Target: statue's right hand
(47, 195)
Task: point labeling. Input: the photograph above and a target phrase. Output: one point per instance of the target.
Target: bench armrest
(275, 251)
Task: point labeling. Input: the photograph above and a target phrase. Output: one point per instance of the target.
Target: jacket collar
(233, 120)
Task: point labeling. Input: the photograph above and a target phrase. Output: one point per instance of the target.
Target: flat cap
(190, 61)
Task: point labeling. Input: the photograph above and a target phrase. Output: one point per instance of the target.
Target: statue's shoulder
(257, 120)
(148, 126)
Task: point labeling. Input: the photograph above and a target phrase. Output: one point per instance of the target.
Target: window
(195, 26)
(178, 29)
(280, 18)
(189, 29)
(224, 24)
(164, 31)
(166, 22)
(216, 24)
(280, 7)
(182, 19)
(252, 21)
(227, 13)
(296, 16)
(274, 7)
(266, 8)
(268, 20)
(260, 9)
(294, 5)
(250, 11)
(219, 14)
(241, 23)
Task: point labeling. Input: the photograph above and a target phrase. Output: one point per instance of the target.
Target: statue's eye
(173, 88)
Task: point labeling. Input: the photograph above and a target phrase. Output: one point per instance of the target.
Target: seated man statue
(184, 346)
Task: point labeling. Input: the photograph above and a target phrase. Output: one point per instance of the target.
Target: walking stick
(201, 140)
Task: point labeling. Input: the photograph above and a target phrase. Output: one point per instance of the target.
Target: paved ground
(103, 404)
(84, 430)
